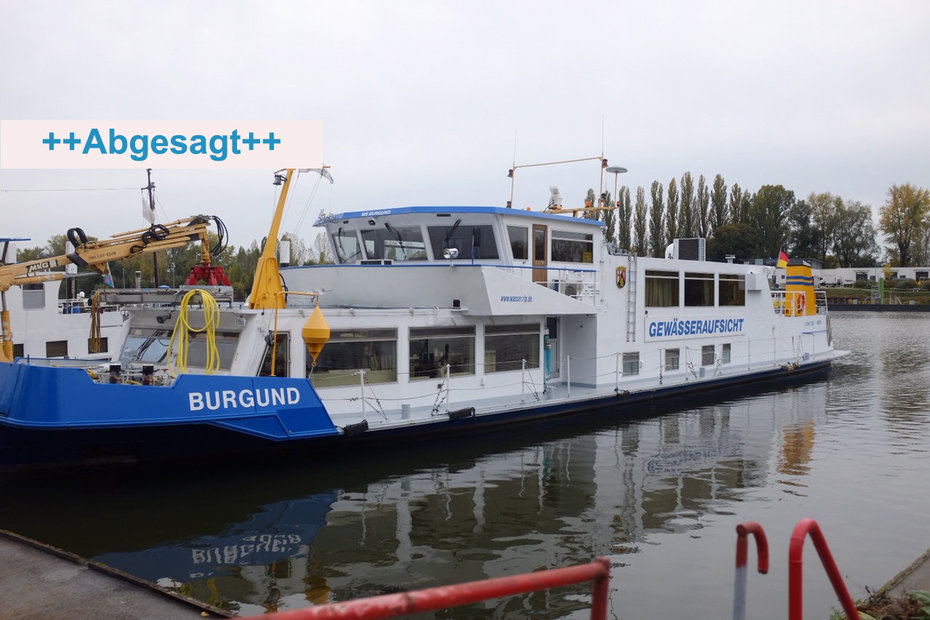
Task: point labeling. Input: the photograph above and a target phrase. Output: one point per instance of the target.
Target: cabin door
(540, 247)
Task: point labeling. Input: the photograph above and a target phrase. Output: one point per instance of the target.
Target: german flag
(782, 260)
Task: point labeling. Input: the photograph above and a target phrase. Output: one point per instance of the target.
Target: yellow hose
(182, 329)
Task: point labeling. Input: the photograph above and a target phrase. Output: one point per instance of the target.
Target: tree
(609, 217)
(824, 208)
(769, 216)
(803, 239)
(718, 203)
(656, 225)
(703, 202)
(739, 211)
(854, 243)
(686, 223)
(590, 201)
(639, 223)
(671, 214)
(903, 218)
(322, 251)
(624, 216)
(734, 238)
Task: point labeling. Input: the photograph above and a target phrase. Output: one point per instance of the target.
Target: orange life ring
(800, 302)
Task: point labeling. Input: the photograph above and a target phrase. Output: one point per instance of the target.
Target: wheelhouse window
(506, 346)
(661, 289)
(468, 241)
(572, 247)
(346, 245)
(732, 290)
(348, 351)
(672, 359)
(432, 348)
(519, 242)
(699, 289)
(394, 243)
(631, 363)
(150, 346)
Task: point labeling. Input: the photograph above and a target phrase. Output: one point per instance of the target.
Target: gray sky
(431, 102)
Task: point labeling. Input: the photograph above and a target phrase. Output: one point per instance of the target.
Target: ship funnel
(799, 289)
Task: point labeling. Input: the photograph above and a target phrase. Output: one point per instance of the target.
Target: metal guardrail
(431, 599)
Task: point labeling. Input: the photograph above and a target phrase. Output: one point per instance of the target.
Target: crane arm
(95, 255)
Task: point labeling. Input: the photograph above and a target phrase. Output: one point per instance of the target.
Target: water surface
(660, 495)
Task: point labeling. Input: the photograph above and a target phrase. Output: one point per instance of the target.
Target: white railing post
(617, 371)
(523, 382)
(568, 372)
(361, 374)
(448, 384)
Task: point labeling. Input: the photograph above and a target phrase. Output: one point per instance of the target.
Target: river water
(659, 495)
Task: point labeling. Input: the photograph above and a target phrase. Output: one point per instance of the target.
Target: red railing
(795, 570)
(431, 599)
(742, 556)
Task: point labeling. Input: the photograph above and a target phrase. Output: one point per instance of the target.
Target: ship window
(519, 241)
(348, 250)
(699, 289)
(33, 296)
(100, 346)
(470, 241)
(672, 357)
(56, 348)
(506, 346)
(18, 350)
(572, 247)
(732, 290)
(661, 289)
(707, 355)
(394, 243)
(631, 363)
(725, 353)
(281, 357)
(431, 348)
(150, 346)
(348, 351)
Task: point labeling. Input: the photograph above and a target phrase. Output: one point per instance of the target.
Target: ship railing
(444, 597)
(577, 283)
(794, 303)
(441, 387)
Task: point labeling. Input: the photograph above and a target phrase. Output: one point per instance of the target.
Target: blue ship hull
(56, 417)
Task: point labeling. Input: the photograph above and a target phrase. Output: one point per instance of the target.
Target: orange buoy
(315, 333)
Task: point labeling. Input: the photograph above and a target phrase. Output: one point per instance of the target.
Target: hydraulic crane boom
(96, 254)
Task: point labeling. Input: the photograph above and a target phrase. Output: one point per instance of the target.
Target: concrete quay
(38, 582)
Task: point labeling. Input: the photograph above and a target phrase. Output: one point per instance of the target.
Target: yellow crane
(96, 254)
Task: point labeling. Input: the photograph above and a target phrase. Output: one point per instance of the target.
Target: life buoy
(800, 302)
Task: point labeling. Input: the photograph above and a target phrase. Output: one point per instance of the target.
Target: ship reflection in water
(552, 497)
(659, 495)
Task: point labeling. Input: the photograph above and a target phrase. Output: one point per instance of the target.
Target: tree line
(735, 221)
(761, 224)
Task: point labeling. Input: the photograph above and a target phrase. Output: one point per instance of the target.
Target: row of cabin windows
(663, 289)
(406, 243)
(431, 349)
(59, 348)
(672, 358)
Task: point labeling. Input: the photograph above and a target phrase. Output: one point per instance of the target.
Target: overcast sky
(432, 102)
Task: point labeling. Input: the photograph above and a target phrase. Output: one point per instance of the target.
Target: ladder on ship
(631, 301)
